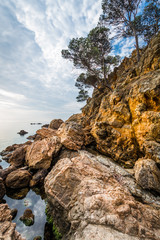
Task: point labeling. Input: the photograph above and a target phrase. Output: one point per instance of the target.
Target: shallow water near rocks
(29, 198)
(37, 205)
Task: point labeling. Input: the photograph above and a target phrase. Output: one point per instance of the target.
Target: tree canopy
(151, 19)
(123, 15)
(91, 54)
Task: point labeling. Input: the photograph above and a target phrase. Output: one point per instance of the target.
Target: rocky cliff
(125, 124)
(103, 165)
(96, 198)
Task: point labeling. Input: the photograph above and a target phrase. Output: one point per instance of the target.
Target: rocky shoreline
(100, 168)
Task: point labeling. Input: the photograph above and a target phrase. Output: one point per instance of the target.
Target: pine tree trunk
(137, 45)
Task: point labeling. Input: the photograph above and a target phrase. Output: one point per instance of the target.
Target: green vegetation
(50, 220)
(122, 14)
(151, 19)
(91, 53)
(28, 221)
(56, 233)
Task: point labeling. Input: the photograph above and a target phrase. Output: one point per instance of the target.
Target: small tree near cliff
(122, 14)
(91, 54)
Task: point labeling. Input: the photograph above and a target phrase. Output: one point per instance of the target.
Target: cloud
(12, 95)
(33, 33)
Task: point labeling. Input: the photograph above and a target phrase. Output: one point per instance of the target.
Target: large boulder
(55, 123)
(40, 153)
(94, 195)
(17, 157)
(18, 179)
(13, 147)
(45, 133)
(6, 171)
(71, 135)
(38, 177)
(7, 228)
(147, 174)
(2, 189)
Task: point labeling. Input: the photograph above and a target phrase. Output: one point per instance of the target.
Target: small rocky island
(100, 168)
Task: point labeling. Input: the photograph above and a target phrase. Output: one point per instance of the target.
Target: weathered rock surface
(38, 177)
(96, 196)
(13, 147)
(45, 125)
(46, 133)
(7, 228)
(125, 124)
(2, 189)
(19, 193)
(18, 179)
(55, 123)
(17, 157)
(71, 135)
(40, 153)
(147, 174)
(14, 212)
(6, 171)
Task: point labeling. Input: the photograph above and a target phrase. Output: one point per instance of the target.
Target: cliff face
(90, 195)
(126, 123)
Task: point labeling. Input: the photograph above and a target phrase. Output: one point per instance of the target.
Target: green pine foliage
(122, 14)
(151, 19)
(92, 55)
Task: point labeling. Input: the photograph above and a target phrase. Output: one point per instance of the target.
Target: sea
(30, 198)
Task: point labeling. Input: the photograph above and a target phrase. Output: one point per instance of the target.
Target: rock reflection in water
(23, 199)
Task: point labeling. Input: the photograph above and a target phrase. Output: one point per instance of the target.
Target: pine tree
(151, 19)
(123, 15)
(92, 55)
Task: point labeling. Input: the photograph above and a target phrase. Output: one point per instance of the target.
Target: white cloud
(12, 95)
(33, 33)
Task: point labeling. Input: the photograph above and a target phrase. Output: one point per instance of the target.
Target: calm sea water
(9, 136)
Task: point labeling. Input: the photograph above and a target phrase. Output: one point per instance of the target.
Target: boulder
(94, 195)
(19, 193)
(14, 212)
(2, 189)
(71, 135)
(55, 123)
(32, 137)
(45, 125)
(7, 228)
(147, 174)
(28, 217)
(46, 133)
(17, 157)
(6, 171)
(39, 154)
(38, 177)
(18, 179)
(14, 147)
(22, 132)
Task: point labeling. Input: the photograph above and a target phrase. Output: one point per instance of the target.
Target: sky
(36, 83)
